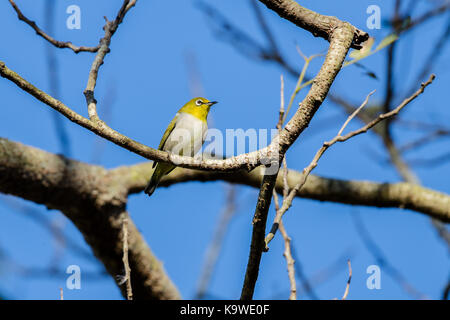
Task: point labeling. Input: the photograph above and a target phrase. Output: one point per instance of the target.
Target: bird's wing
(167, 133)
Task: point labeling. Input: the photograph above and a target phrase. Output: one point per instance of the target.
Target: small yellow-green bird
(184, 136)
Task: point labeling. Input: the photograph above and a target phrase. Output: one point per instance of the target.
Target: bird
(184, 136)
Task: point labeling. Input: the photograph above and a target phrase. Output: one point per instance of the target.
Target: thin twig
(301, 77)
(125, 260)
(281, 113)
(287, 240)
(287, 252)
(287, 202)
(56, 43)
(110, 28)
(249, 161)
(289, 261)
(348, 281)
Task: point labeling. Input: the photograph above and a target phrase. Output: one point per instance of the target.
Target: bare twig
(125, 259)
(290, 262)
(391, 113)
(300, 80)
(56, 43)
(340, 43)
(287, 202)
(109, 99)
(348, 281)
(287, 253)
(282, 111)
(249, 160)
(110, 28)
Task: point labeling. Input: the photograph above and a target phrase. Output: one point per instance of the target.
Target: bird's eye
(199, 102)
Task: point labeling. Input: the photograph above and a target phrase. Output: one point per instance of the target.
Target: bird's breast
(188, 135)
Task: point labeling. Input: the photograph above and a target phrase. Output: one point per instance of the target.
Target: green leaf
(387, 41)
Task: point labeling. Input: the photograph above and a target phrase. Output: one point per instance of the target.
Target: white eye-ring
(199, 102)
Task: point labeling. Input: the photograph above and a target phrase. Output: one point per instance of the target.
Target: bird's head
(198, 107)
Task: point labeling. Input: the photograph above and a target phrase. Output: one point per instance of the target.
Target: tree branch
(90, 197)
(59, 183)
(110, 28)
(340, 41)
(248, 160)
(401, 195)
(337, 52)
(319, 25)
(56, 43)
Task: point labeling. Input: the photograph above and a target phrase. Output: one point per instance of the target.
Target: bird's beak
(211, 103)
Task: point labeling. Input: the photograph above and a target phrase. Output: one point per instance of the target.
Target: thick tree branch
(90, 197)
(59, 183)
(319, 25)
(365, 193)
(383, 195)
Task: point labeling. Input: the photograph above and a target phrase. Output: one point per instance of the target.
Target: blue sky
(145, 80)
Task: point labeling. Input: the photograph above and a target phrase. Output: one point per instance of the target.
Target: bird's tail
(161, 170)
(151, 186)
